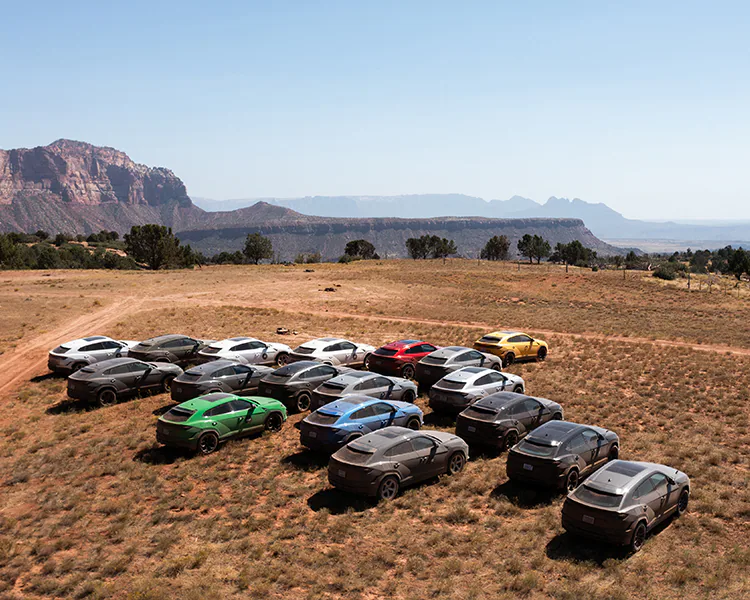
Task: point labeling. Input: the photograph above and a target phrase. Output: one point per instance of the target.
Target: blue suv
(337, 423)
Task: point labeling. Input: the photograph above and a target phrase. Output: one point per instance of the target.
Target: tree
(739, 263)
(361, 249)
(496, 248)
(417, 247)
(258, 248)
(534, 247)
(42, 235)
(631, 260)
(152, 244)
(442, 247)
(573, 253)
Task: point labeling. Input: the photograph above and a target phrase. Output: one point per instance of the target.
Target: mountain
(293, 233)
(603, 221)
(76, 187)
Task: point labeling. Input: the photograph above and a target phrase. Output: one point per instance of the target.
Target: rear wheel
(682, 503)
(509, 359)
(107, 397)
(388, 488)
(282, 358)
(541, 354)
(208, 442)
(303, 402)
(571, 481)
(456, 463)
(408, 396)
(639, 537)
(274, 422)
(613, 453)
(413, 423)
(511, 439)
(407, 371)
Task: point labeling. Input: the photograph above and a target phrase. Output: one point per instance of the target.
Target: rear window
(452, 385)
(178, 414)
(191, 375)
(61, 350)
(490, 339)
(531, 447)
(332, 387)
(352, 455)
(211, 350)
(303, 350)
(386, 352)
(322, 419)
(597, 498)
(478, 412)
(434, 360)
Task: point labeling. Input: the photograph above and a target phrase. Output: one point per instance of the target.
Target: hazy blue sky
(641, 105)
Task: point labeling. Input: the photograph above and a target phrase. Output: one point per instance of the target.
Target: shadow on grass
(568, 547)
(307, 460)
(487, 452)
(163, 409)
(439, 420)
(525, 496)
(338, 502)
(161, 455)
(70, 406)
(46, 377)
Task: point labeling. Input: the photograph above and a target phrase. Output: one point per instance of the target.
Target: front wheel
(541, 354)
(613, 453)
(682, 503)
(456, 463)
(77, 367)
(388, 488)
(208, 442)
(509, 359)
(518, 389)
(408, 397)
(366, 362)
(282, 359)
(557, 417)
(303, 402)
(407, 372)
(496, 367)
(571, 481)
(107, 397)
(413, 424)
(639, 537)
(274, 422)
(511, 439)
(166, 383)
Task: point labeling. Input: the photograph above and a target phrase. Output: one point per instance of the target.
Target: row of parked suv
(369, 422)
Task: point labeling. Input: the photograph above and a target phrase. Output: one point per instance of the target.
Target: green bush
(666, 272)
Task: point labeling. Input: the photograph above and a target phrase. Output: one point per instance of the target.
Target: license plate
(313, 434)
(427, 371)
(342, 473)
(528, 467)
(588, 519)
(471, 428)
(177, 388)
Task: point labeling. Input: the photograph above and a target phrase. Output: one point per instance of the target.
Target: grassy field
(92, 507)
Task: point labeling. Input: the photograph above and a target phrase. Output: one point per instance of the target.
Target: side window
(313, 373)
(591, 437)
(363, 413)
(178, 343)
(256, 345)
(91, 347)
(644, 489)
(111, 345)
(400, 449)
(474, 355)
(119, 370)
(519, 339)
(428, 348)
(240, 347)
(222, 409)
(516, 409)
(138, 367)
(483, 380)
(347, 346)
(241, 370)
(381, 408)
(379, 382)
(326, 371)
(423, 443)
(225, 372)
(414, 350)
(531, 406)
(238, 405)
(576, 444)
(465, 357)
(332, 348)
(660, 483)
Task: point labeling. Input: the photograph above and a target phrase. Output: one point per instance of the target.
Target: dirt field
(91, 507)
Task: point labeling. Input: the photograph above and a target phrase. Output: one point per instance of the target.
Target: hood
(447, 352)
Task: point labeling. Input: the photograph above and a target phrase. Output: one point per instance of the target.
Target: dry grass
(92, 508)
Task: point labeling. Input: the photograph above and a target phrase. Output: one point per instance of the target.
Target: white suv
(73, 355)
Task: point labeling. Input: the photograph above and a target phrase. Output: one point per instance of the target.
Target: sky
(640, 105)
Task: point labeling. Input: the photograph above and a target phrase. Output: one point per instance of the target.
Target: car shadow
(161, 455)
(338, 502)
(70, 406)
(525, 496)
(439, 420)
(567, 547)
(46, 377)
(163, 409)
(307, 460)
(486, 452)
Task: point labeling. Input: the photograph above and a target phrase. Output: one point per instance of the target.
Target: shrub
(666, 272)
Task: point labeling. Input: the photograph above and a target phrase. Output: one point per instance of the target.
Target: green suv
(204, 422)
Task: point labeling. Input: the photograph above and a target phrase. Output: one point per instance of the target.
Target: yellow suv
(512, 346)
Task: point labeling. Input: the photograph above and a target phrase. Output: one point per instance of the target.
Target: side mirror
(671, 481)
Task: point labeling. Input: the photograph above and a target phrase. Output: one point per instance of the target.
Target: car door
(650, 500)
(251, 352)
(349, 353)
(243, 410)
(381, 387)
(314, 377)
(426, 451)
(472, 358)
(580, 449)
(384, 412)
(97, 352)
(660, 496)
(121, 377)
(247, 379)
(366, 419)
(534, 410)
(144, 376)
(404, 460)
(224, 420)
(593, 447)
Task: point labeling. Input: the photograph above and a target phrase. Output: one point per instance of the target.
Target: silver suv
(71, 356)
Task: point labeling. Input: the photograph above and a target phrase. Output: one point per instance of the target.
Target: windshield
(597, 498)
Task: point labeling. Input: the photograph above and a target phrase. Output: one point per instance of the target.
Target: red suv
(400, 358)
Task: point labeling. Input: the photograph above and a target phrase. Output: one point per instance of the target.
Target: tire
(456, 463)
(106, 397)
(208, 442)
(388, 488)
(366, 362)
(282, 359)
(163, 360)
(639, 537)
(518, 389)
(352, 437)
(509, 359)
(302, 402)
(274, 422)
(408, 397)
(557, 417)
(571, 480)
(511, 439)
(408, 371)
(682, 503)
(497, 366)
(413, 424)
(77, 367)
(541, 354)
(614, 453)
(166, 383)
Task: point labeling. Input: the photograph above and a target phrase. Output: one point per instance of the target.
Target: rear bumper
(82, 393)
(483, 435)
(365, 488)
(497, 351)
(548, 475)
(609, 536)
(386, 366)
(177, 442)
(279, 393)
(319, 400)
(443, 403)
(181, 392)
(59, 364)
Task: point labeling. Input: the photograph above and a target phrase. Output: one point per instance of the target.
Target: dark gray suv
(294, 383)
